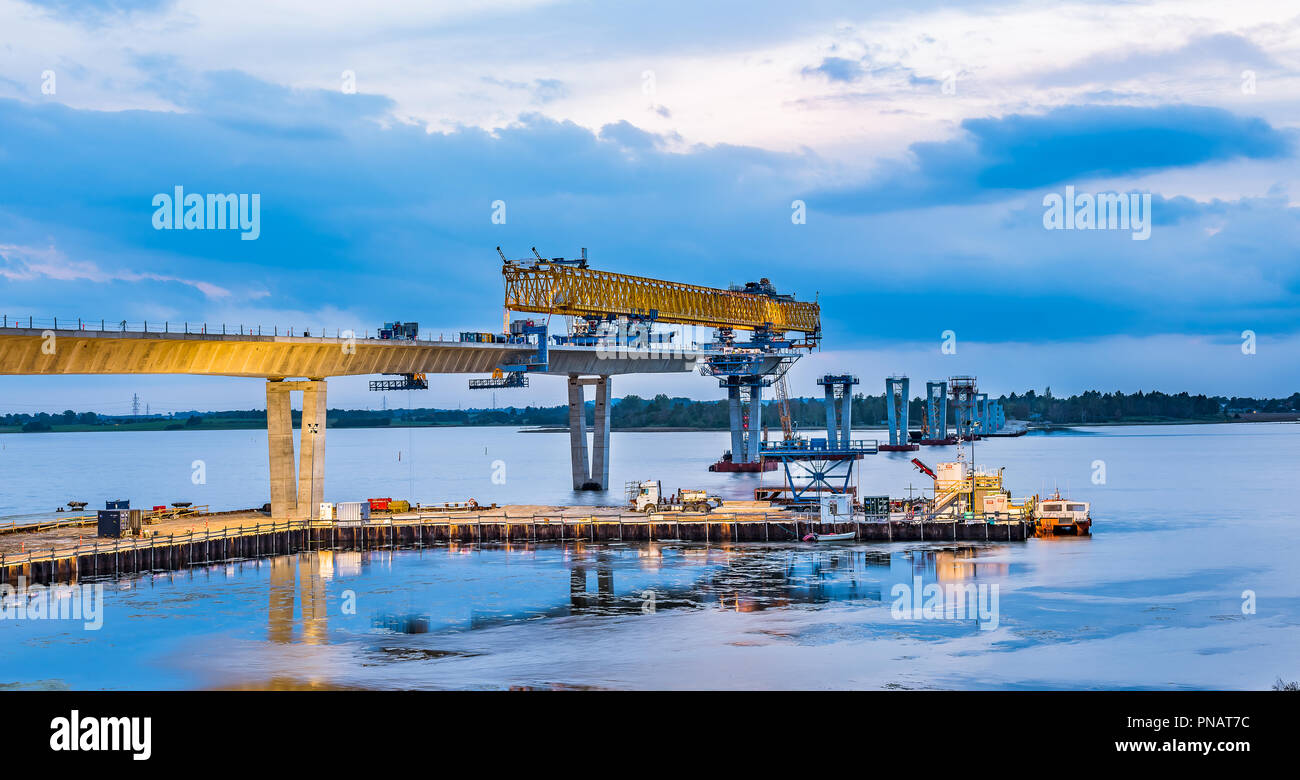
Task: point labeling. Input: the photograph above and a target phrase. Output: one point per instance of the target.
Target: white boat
(848, 536)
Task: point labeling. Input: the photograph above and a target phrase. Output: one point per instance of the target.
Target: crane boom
(549, 288)
(783, 407)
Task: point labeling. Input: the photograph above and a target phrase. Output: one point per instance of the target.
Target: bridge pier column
(755, 421)
(279, 437)
(737, 431)
(311, 451)
(578, 434)
(296, 496)
(590, 472)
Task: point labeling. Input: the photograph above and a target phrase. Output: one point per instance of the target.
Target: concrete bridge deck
(41, 351)
(306, 361)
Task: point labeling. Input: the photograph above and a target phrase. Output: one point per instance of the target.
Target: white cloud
(25, 264)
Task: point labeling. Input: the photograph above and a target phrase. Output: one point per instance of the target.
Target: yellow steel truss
(555, 289)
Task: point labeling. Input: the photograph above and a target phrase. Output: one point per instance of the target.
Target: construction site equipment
(500, 380)
(557, 287)
(961, 390)
(401, 331)
(515, 374)
(783, 408)
(820, 466)
(406, 382)
(647, 496)
(621, 308)
(352, 512)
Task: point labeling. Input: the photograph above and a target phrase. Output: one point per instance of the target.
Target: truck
(648, 496)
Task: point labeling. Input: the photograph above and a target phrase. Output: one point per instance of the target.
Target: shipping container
(352, 512)
(399, 505)
(120, 503)
(326, 511)
(379, 504)
(114, 523)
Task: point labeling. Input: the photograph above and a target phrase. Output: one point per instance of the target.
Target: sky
(923, 140)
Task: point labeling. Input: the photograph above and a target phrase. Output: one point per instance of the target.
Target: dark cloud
(997, 156)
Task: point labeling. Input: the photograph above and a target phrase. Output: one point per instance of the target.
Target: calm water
(1188, 518)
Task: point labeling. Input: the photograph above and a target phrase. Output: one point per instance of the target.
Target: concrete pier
(590, 471)
(296, 497)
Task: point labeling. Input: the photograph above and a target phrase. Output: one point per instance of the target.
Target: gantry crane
(569, 287)
(780, 326)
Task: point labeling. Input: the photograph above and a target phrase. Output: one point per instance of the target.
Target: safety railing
(186, 328)
(13, 526)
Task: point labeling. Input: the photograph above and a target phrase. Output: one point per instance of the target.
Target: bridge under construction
(610, 334)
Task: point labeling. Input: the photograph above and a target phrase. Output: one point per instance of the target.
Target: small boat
(847, 536)
(1058, 516)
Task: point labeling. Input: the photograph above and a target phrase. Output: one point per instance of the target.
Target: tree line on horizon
(663, 411)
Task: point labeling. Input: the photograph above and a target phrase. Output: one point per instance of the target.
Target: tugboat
(1058, 516)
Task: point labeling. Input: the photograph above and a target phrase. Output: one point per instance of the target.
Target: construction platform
(54, 556)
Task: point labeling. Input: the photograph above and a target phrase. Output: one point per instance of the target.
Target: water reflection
(303, 576)
(613, 580)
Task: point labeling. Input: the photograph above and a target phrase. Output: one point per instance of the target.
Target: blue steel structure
(961, 392)
(743, 369)
(823, 465)
(896, 408)
(839, 406)
(981, 413)
(936, 411)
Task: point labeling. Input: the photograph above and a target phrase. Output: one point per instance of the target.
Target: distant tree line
(663, 411)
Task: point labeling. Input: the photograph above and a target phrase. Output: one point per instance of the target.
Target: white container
(836, 508)
(950, 475)
(326, 510)
(352, 512)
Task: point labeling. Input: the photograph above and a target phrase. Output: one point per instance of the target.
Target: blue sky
(670, 140)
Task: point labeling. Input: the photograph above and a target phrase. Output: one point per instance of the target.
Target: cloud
(838, 69)
(995, 157)
(26, 264)
(385, 220)
(1223, 51)
(542, 90)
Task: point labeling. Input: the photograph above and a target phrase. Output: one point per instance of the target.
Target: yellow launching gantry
(569, 287)
(593, 298)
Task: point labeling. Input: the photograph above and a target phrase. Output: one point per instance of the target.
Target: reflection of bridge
(309, 360)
